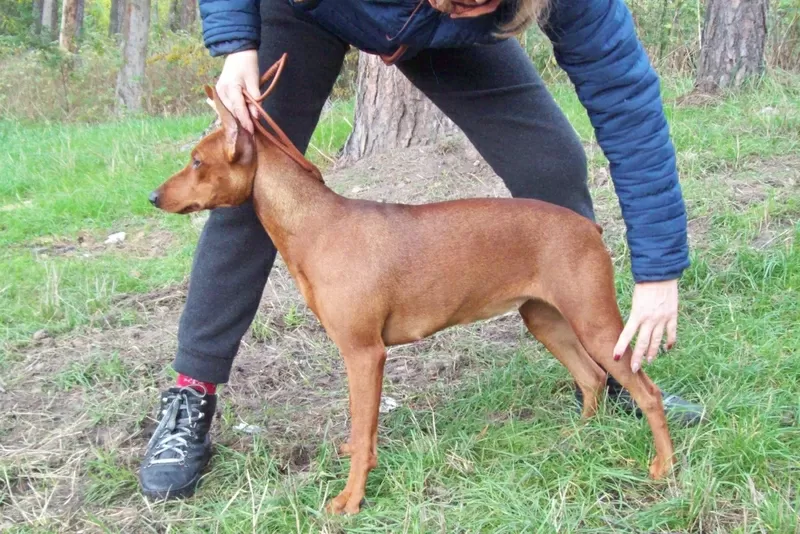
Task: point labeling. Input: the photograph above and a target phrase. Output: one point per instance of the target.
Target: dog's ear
(231, 127)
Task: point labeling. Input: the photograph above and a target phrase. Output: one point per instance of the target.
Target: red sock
(187, 381)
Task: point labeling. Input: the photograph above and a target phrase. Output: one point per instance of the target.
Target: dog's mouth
(191, 208)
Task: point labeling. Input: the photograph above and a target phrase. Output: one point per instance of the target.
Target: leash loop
(279, 137)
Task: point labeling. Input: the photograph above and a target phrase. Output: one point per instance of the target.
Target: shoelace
(172, 430)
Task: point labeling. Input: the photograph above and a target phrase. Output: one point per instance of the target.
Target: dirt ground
(66, 396)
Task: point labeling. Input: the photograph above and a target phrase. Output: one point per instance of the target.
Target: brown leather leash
(279, 138)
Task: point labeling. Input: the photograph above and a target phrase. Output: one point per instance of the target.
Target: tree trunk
(182, 15)
(49, 18)
(188, 15)
(71, 15)
(734, 34)
(390, 112)
(115, 17)
(37, 16)
(135, 29)
(79, 21)
(172, 17)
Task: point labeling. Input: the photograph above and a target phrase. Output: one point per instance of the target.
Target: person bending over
(461, 56)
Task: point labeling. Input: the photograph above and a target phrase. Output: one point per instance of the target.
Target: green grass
(331, 133)
(61, 179)
(102, 370)
(757, 123)
(504, 455)
(58, 180)
(80, 177)
(501, 453)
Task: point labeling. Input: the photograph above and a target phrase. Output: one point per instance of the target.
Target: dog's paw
(345, 503)
(345, 449)
(660, 467)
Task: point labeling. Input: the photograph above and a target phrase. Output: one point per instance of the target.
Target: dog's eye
(196, 163)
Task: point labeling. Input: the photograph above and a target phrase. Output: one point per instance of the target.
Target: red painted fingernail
(617, 357)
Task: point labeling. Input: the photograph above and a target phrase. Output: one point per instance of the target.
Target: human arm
(232, 28)
(595, 42)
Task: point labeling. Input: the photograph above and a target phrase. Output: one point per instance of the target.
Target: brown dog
(379, 274)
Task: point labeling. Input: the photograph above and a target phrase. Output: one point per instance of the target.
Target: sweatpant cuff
(212, 369)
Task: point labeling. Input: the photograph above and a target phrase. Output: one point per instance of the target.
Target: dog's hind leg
(365, 379)
(589, 304)
(548, 326)
(644, 392)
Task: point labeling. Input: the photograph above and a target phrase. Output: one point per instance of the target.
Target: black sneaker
(180, 447)
(678, 410)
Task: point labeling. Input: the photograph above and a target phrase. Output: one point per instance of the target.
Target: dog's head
(220, 173)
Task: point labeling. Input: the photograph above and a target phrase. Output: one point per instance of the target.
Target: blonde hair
(526, 13)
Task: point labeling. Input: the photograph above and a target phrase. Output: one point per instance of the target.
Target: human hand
(240, 72)
(654, 310)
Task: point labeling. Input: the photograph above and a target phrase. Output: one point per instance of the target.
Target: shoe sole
(183, 492)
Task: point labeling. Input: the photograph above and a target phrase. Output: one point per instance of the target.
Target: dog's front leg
(365, 378)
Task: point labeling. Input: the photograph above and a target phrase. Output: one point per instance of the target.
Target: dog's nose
(154, 198)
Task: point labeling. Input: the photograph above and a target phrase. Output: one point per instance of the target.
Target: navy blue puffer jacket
(594, 42)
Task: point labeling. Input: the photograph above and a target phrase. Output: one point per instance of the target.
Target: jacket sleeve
(230, 25)
(595, 43)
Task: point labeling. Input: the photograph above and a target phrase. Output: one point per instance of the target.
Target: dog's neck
(291, 202)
